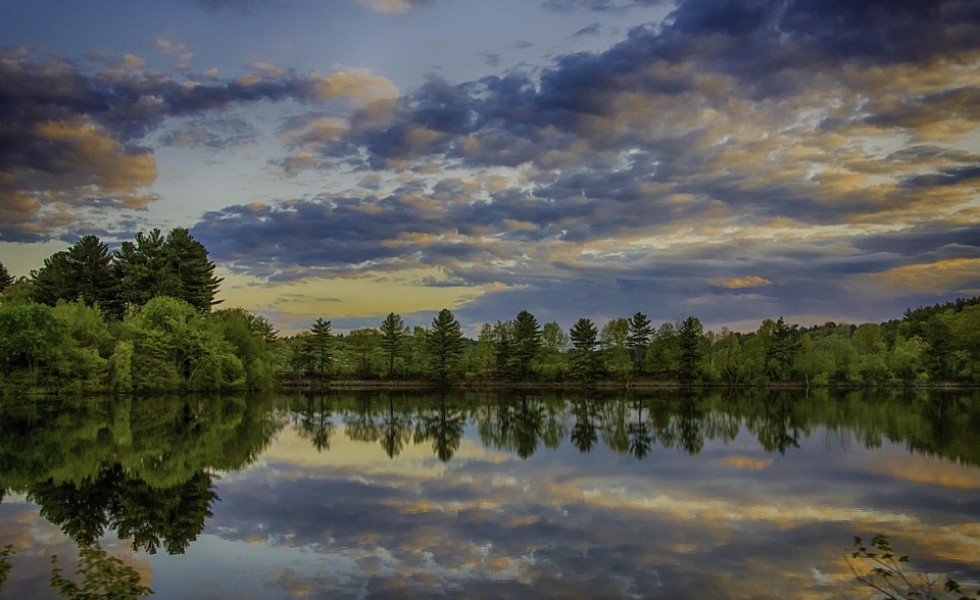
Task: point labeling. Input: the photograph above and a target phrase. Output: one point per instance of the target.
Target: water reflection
(934, 423)
(143, 468)
(481, 495)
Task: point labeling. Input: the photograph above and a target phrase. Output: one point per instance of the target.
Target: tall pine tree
(5, 277)
(392, 335)
(526, 344)
(640, 332)
(444, 344)
(689, 338)
(83, 272)
(585, 361)
(193, 272)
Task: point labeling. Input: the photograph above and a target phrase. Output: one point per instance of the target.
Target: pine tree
(143, 270)
(392, 335)
(319, 346)
(5, 277)
(83, 272)
(176, 265)
(444, 344)
(194, 273)
(583, 335)
(640, 332)
(526, 345)
(689, 338)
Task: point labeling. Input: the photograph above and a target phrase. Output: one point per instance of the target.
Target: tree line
(936, 344)
(144, 318)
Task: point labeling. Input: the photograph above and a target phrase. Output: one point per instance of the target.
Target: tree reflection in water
(636, 424)
(146, 468)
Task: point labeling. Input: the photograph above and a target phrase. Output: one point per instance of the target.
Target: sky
(734, 160)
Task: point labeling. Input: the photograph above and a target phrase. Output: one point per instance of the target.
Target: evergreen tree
(5, 277)
(83, 272)
(689, 338)
(583, 335)
(640, 332)
(502, 336)
(319, 346)
(392, 336)
(194, 273)
(143, 270)
(526, 345)
(444, 344)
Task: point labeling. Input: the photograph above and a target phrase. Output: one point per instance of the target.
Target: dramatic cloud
(71, 135)
(732, 160)
(738, 137)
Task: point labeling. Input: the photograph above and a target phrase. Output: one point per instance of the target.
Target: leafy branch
(878, 566)
(103, 577)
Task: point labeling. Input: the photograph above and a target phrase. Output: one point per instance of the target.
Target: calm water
(491, 496)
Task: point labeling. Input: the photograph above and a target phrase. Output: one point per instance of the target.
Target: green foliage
(83, 272)
(640, 334)
(121, 367)
(5, 565)
(444, 344)
(143, 270)
(393, 332)
(318, 347)
(614, 339)
(5, 277)
(176, 265)
(585, 361)
(688, 341)
(254, 341)
(29, 337)
(103, 576)
(18, 292)
(81, 346)
(361, 355)
(81, 361)
(552, 364)
(176, 347)
(192, 271)
(878, 566)
(141, 468)
(663, 355)
(526, 344)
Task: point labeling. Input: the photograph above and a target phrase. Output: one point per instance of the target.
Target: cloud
(210, 132)
(961, 275)
(179, 51)
(742, 282)
(72, 137)
(394, 6)
(593, 29)
(357, 84)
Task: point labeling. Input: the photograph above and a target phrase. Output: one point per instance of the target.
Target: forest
(144, 318)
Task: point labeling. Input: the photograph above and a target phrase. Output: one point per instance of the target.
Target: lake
(505, 495)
